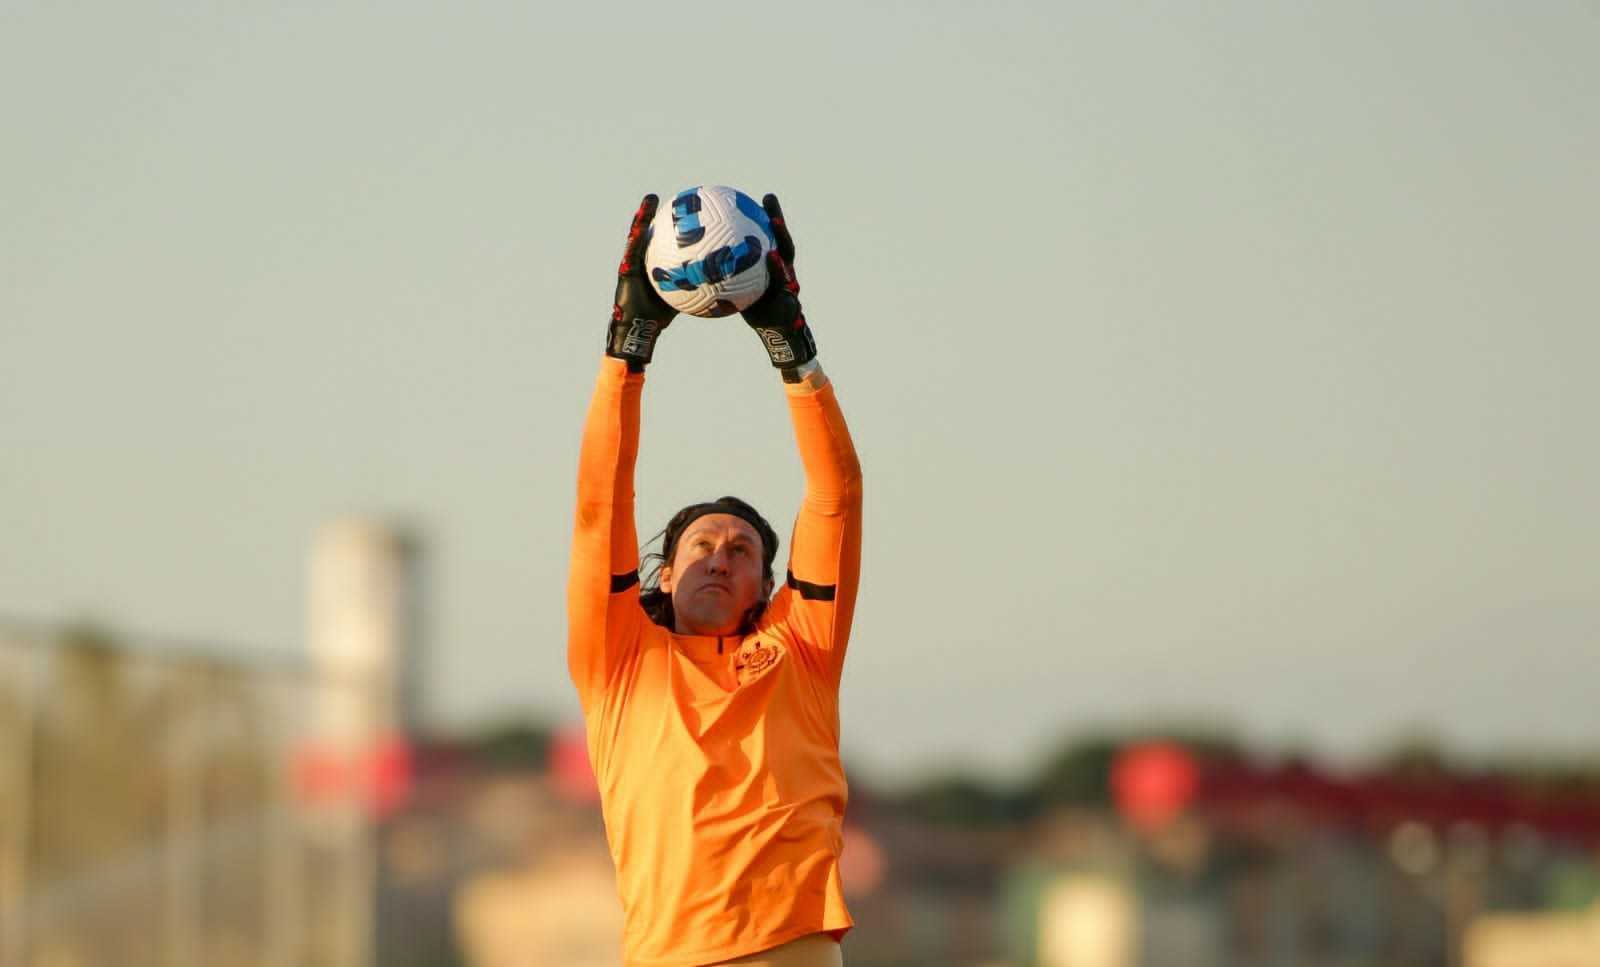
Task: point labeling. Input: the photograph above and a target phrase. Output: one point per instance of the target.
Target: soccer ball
(707, 251)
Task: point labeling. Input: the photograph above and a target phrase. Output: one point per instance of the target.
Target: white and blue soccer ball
(707, 251)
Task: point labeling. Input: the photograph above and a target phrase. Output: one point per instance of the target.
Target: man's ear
(665, 579)
(766, 589)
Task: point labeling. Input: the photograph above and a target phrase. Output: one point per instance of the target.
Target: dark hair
(658, 603)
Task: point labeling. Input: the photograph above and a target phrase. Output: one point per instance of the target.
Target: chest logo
(755, 657)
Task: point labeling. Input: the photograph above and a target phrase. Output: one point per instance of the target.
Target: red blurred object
(1153, 782)
(378, 776)
(862, 866)
(1375, 803)
(570, 770)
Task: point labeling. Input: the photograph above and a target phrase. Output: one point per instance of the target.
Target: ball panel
(686, 217)
(706, 253)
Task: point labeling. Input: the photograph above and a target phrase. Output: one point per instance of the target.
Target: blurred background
(1222, 378)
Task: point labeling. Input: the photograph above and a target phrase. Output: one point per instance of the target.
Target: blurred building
(364, 628)
(149, 812)
(1535, 940)
(553, 902)
(1088, 920)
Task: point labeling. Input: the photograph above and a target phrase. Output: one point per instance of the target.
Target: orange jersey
(717, 758)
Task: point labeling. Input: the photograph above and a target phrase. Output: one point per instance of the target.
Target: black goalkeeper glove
(776, 316)
(638, 314)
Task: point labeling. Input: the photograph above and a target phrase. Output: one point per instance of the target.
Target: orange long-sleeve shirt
(717, 758)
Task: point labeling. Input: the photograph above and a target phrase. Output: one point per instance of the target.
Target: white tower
(361, 636)
(363, 600)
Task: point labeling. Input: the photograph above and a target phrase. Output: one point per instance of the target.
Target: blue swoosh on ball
(752, 210)
(686, 217)
(727, 261)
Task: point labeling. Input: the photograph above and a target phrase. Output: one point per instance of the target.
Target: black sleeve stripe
(813, 592)
(622, 582)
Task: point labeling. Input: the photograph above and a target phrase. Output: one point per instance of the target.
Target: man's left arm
(824, 566)
(819, 596)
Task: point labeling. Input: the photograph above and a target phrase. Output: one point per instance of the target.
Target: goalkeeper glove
(777, 317)
(638, 314)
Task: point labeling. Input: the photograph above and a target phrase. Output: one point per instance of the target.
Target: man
(711, 704)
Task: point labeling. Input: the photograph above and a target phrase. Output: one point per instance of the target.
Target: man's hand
(776, 316)
(638, 314)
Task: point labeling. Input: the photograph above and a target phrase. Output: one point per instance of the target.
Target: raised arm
(603, 585)
(818, 599)
(825, 549)
(603, 615)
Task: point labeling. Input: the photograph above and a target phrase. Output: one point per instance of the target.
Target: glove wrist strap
(788, 347)
(633, 340)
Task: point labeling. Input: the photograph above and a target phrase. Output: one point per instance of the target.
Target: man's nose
(717, 561)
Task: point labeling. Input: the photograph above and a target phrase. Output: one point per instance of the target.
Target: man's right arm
(603, 613)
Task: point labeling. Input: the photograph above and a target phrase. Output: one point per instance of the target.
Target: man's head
(716, 568)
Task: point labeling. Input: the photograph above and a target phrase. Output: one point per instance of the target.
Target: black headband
(692, 513)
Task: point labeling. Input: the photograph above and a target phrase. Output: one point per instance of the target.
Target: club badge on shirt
(754, 657)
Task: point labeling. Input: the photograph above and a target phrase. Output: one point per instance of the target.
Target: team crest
(755, 657)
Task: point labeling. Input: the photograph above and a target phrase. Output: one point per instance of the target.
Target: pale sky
(1232, 363)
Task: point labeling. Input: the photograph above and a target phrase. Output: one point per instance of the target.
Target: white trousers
(816, 950)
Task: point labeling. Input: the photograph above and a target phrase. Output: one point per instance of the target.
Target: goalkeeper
(711, 704)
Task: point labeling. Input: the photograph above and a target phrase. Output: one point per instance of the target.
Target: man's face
(714, 576)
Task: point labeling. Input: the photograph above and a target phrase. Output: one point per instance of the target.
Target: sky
(1210, 363)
